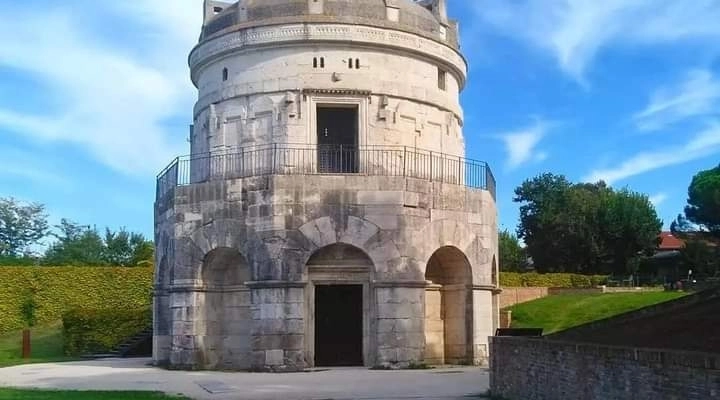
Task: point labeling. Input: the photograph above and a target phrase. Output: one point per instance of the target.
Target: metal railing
(290, 159)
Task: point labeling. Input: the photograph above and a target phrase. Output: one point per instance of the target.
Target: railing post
(431, 167)
(274, 159)
(342, 167)
(242, 162)
(405, 161)
(460, 165)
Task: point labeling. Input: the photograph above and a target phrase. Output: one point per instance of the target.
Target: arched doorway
(223, 324)
(448, 308)
(338, 306)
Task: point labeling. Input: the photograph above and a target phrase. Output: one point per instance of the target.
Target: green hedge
(60, 289)
(532, 279)
(100, 331)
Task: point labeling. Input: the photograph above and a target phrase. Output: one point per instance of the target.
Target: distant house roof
(668, 242)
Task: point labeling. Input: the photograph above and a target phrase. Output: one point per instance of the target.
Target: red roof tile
(670, 242)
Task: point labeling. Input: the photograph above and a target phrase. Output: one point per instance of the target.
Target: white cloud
(522, 145)
(575, 31)
(697, 95)
(703, 144)
(658, 199)
(24, 165)
(109, 97)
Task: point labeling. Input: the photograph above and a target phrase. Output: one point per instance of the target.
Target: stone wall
(278, 223)
(538, 369)
(516, 295)
(265, 101)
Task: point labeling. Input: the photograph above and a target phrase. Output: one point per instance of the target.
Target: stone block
(237, 343)
(412, 199)
(296, 359)
(399, 310)
(358, 232)
(183, 342)
(434, 325)
(180, 328)
(280, 341)
(278, 326)
(400, 295)
(237, 314)
(274, 357)
(384, 221)
(386, 197)
(400, 325)
(402, 339)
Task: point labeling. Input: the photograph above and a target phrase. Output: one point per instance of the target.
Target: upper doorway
(337, 139)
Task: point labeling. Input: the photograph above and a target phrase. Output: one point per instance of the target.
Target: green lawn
(556, 313)
(47, 346)
(15, 394)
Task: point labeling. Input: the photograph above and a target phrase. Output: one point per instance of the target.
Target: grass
(46, 345)
(556, 313)
(32, 394)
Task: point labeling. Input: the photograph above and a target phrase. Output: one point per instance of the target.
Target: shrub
(57, 290)
(100, 331)
(533, 279)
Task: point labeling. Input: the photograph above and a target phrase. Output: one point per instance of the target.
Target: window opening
(442, 79)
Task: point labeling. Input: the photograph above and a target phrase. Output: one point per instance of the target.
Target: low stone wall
(608, 289)
(516, 295)
(541, 369)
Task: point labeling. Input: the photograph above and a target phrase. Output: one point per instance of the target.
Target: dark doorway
(337, 140)
(338, 326)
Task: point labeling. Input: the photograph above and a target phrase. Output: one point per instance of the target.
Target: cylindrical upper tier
(303, 81)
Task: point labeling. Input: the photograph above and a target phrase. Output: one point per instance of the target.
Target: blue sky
(95, 97)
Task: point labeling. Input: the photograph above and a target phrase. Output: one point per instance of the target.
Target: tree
(543, 200)
(584, 228)
(127, 249)
(681, 226)
(630, 228)
(82, 245)
(76, 245)
(700, 257)
(703, 206)
(21, 226)
(512, 255)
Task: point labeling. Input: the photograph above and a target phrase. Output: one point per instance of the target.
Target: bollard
(26, 343)
(505, 318)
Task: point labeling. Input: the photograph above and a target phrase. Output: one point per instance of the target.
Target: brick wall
(540, 369)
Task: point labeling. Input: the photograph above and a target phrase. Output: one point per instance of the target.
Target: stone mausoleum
(327, 215)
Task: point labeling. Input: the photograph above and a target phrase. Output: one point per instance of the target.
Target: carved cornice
(306, 33)
(347, 92)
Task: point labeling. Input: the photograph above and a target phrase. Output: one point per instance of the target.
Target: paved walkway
(335, 384)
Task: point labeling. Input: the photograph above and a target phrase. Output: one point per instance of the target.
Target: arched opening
(339, 277)
(223, 324)
(225, 74)
(448, 308)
